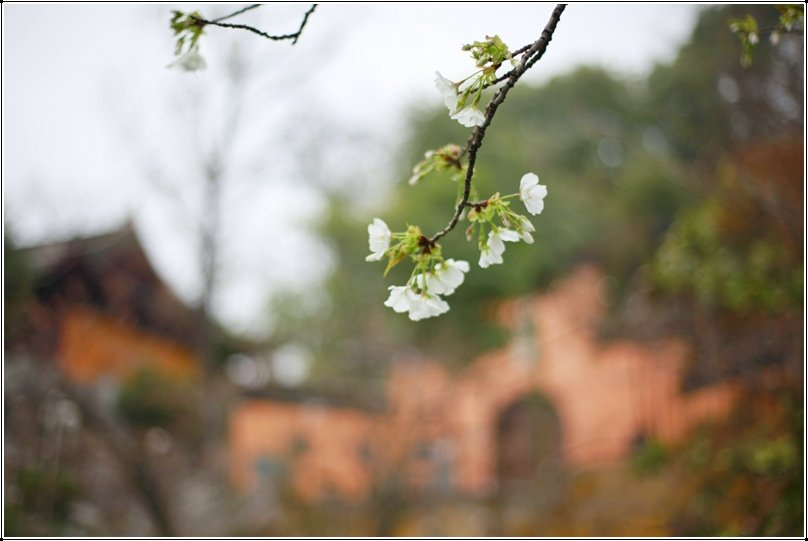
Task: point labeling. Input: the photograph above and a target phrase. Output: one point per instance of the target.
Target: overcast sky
(91, 113)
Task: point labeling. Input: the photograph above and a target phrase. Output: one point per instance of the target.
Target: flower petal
(528, 179)
(428, 306)
(398, 299)
(489, 257)
(508, 234)
(469, 117)
(447, 277)
(378, 239)
(448, 90)
(461, 265)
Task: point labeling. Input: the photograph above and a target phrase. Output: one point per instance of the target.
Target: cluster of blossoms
(462, 98)
(420, 297)
(433, 276)
(188, 27)
(447, 158)
(512, 227)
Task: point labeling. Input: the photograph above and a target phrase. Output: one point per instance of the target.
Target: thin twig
(303, 22)
(531, 56)
(294, 36)
(239, 12)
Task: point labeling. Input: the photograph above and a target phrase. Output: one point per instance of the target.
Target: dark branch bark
(531, 56)
(504, 76)
(294, 36)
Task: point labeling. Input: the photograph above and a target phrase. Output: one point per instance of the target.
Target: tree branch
(294, 36)
(531, 56)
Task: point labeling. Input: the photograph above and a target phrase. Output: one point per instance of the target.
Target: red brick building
(555, 398)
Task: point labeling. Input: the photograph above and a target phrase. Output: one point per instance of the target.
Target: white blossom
(448, 90)
(190, 61)
(469, 117)
(401, 298)
(491, 252)
(419, 305)
(532, 193)
(378, 239)
(448, 275)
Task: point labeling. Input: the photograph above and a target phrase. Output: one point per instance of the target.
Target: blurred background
(195, 345)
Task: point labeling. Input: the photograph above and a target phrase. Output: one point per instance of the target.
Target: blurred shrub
(151, 399)
(47, 493)
(651, 457)
(748, 471)
(697, 258)
(17, 287)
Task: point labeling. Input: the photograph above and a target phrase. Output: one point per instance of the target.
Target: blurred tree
(730, 272)
(740, 249)
(747, 471)
(706, 101)
(198, 187)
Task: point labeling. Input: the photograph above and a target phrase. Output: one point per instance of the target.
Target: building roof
(111, 274)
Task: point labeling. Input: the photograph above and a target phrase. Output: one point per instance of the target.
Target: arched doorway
(529, 459)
